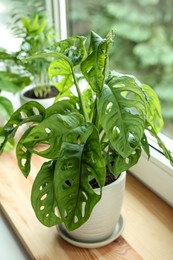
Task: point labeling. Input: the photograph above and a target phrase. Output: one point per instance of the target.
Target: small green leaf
(61, 68)
(120, 164)
(73, 48)
(23, 154)
(154, 115)
(165, 151)
(29, 112)
(6, 107)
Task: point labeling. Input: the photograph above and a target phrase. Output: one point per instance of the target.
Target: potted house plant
(31, 25)
(89, 137)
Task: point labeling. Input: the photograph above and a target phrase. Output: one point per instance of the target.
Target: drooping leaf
(121, 109)
(77, 165)
(43, 196)
(6, 107)
(154, 115)
(165, 151)
(29, 112)
(23, 154)
(145, 145)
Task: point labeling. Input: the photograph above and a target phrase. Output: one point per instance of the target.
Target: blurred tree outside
(143, 44)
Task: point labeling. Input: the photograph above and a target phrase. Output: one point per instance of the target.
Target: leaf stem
(80, 97)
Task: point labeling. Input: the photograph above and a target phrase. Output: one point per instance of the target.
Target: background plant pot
(45, 102)
(105, 215)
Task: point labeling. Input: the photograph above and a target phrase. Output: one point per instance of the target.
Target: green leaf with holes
(121, 109)
(63, 69)
(49, 134)
(62, 107)
(29, 112)
(43, 196)
(93, 67)
(23, 154)
(120, 164)
(77, 164)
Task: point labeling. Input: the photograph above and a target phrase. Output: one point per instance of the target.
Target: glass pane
(143, 44)
(7, 40)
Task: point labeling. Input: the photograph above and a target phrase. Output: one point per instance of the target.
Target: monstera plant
(97, 126)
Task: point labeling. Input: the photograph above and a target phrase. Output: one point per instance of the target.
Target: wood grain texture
(148, 232)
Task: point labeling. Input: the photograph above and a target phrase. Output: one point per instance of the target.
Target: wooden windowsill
(148, 232)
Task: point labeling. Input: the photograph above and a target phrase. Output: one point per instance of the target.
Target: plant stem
(80, 97)
(95, 116)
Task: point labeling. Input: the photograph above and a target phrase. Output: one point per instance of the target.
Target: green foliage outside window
(144, 40)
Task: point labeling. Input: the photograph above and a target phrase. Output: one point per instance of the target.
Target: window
(143, 47)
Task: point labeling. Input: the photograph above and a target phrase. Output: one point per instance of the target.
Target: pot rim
(116, 182)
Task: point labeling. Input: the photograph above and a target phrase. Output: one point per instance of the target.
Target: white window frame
(155, 173)
(57, 12)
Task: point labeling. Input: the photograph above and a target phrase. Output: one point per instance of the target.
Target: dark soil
(52, 93)
(109, 179)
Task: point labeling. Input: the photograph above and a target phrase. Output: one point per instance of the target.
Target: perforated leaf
(43, 196)
(93, 67)
(29, 112)
(121, 109)
(61, 68)
(50, 132)
(77, 165)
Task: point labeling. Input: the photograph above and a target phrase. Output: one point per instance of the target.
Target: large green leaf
(43, 196)
(93, 67)
(121, 109)
(50, 132)
(77, 165)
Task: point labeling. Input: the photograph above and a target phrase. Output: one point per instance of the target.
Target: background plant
(30, 24)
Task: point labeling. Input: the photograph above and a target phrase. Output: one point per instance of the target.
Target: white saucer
(117, 232)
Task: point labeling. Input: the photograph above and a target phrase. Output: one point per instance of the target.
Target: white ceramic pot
(45, 102)
(105, 215)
